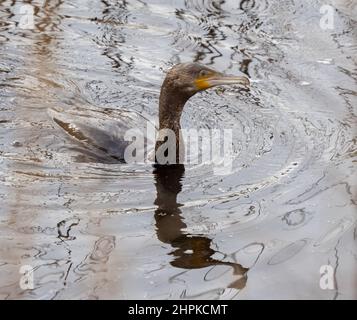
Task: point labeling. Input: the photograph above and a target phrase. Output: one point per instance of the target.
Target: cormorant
(182, 82)
(103, 130)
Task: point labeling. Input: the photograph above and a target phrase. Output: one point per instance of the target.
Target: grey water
(94, 228)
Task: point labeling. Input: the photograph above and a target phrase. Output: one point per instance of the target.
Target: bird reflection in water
(190, 251)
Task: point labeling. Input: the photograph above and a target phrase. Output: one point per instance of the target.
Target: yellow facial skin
(215, 79)
(203, 83)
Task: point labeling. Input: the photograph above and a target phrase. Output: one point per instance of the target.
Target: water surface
(94, 228)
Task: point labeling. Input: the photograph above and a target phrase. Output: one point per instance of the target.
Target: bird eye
(203, 73)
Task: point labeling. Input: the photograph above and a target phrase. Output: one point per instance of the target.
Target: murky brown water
(94, 228)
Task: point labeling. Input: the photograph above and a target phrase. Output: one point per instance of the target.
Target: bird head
(190, 78)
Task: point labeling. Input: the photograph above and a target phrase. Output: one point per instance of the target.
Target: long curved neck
(171, 106)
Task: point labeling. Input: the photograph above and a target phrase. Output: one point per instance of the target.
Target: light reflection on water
(94, 228)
